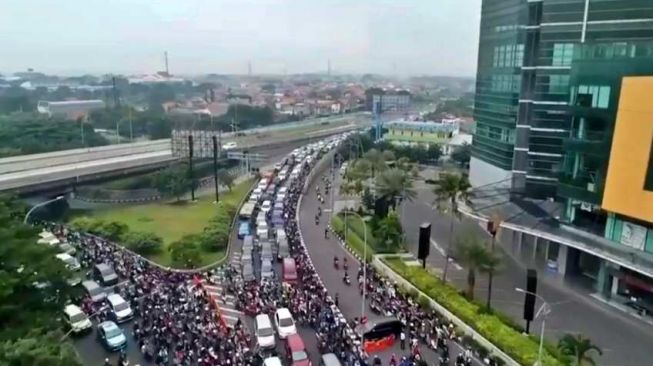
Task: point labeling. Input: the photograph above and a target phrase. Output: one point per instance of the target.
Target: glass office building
(525, 58)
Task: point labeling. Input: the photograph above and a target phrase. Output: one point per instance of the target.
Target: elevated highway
(42, 172)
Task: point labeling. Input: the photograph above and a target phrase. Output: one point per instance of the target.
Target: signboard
(633, 235)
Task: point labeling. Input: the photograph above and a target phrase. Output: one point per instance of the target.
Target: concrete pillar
(535, 240)
(517, 239)
(615, 285)
(563, 253)
(601, 278)
(546, 251)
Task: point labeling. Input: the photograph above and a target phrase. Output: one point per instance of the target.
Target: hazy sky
(436, 37)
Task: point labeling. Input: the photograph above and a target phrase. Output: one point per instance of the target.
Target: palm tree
(449, 189)
(376, 161)
(478, 259)
(395, 183)
(578, 348)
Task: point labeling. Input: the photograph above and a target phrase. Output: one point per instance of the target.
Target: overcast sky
(434, 37)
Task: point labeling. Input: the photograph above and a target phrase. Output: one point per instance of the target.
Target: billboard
(626, 189)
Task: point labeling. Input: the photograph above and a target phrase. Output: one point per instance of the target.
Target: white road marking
(443, 253)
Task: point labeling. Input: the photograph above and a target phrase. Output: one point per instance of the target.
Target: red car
(296, 351)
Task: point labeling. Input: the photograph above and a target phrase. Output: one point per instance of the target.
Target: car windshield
(265, 332)
(299, 356)
(286, 322)
(112, 332)
(79, 317)
(121, 306)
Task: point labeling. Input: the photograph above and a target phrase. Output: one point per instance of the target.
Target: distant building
(397, 100)
(70, 109)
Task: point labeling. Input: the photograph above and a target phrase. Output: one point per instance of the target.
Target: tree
(389, 232)
(173, 182)
(376, 161)
(38, 349)
(462, 154)
(395, 184)
(226, 179)
(579, 349)
(185, 252)
(448, 190)
(367, 199)
(477, 257)
(33, 290)
(143, 243)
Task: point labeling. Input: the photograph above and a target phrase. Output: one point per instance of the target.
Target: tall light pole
(39, 205)
(544, 310)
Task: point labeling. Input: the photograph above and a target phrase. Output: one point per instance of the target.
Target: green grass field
(173, 220)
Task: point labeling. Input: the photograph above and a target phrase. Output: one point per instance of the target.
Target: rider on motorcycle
(335, 261)
(346, 279)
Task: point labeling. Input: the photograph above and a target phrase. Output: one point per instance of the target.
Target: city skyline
(276, 37)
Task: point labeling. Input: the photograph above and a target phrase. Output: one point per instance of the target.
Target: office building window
(590, 96)
(558, 84)
(563, 54)
(511, 55)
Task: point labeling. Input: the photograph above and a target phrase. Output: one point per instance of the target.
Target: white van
(119, 308)
(264, 332)
(280, 234)
(262, 231)
(71, 262)
(76, 320)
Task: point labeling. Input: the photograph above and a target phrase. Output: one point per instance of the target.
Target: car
(278, 166)
(266, 251)
(284, 323)
(261, 218)
(243, 230)
(272, 361)
(67, 248)
(264, 332)
(329, 359)
(262, 231)
(278, 205)
(229, 145)
(76, 320)
(289, 269)
(280, 234)
(253, 198)
(94, 291)
(283, 190)
(111, 336)
(70, 262)
(296, 351)
(248, 272)
(105, 274)
(266, 269)
(266, 206)
(258, 191)
(120, 310)
(248, 243)
(284, 250)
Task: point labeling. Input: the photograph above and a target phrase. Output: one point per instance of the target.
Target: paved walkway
(574, 311)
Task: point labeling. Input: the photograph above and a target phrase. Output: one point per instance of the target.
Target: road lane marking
(443, 253)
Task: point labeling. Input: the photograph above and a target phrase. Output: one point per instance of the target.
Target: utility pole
(190, 167)
(215, 168)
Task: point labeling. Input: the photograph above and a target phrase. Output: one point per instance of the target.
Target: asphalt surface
(322, 250)
(573, 311)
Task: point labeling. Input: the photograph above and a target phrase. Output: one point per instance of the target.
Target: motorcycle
(346, 280)
(335, 263)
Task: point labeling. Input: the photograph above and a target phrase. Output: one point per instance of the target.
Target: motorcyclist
(346, 279)
(335, 262)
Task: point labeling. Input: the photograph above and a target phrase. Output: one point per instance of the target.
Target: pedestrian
(337, 299)
(326, 233)
(402, 339)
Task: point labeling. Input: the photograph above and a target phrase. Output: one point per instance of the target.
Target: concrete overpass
(41, 172)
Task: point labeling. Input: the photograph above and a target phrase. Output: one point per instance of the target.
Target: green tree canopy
(579, 349)
(462, 154)
(477, 257)
(174, 182)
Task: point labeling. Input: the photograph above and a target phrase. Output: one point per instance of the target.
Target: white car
(76, 319)
(272, 361)
(264, 332)
(284, 322)
(71, 262)
(262, 231)
(230, 145)
(254, 197)
(266, 206)
(120, 309)
(258, 191)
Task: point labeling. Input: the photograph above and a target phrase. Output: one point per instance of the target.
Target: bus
(247, 211)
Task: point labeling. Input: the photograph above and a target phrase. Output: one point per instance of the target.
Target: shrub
(112, 230)
(522, 349)
(185, 252)
(83, 224)
(143, 243)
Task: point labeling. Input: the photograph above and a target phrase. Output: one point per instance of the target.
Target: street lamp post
(39, 205)
(544, 310)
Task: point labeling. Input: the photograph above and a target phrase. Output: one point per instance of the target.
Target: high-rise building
(564, 110)
(522, 90)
